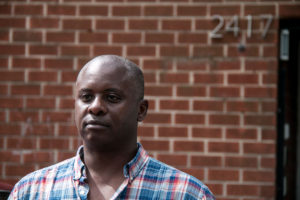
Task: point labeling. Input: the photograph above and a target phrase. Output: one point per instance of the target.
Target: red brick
(211, 78)
(179, 25)
(58, 90)
(54, 143)
(41, 130)
(190, 146)
(110, 24)
(10, 129)
(75, 50)
(149, 77)
(225, 10)
(223, 175)
(3, 62)
(208, 105)
(191, 10)
(10, 102)
(289, 10)
(143, 24)
(40, 102)
(44, 23)
(61, 10)
(189, 119)
(174, 51)
(193, 38)
(126, 10)
(69, 76)
(8, 49)
(77, 24)
(206, 161)
(60, 37)
(4, 90)
(224, 119)
(58, 63)
(22, 116)
(5, 9)
(259, 148)
(242, 79)
(39, 157)
(269, 134)
(204, 24)
(28, 9)
(172, 132)
(241, 133)
(228, 147)
(156, 145)
(259, 176)
(208, 51)
(226, 65)
(173, 105)
(160, 10)
(207, 132)
(158, 91)
(250, 51)
(256, 38)
(64, 155)
(242, 190)
(261, 92)
(105, 49)
(42, 76)
(43, 49)
(268, 163)
(27, 36)
(25, 89)
(126, 37)
(242, 106)
(196, 172)
(191, 91)
(93, 37)
(261, 65)
(159, 38)
(241, 161)
(174, 78)
(261, 120)
(93, 10)
(144, 131)
(141, 50)
(174, 160)
(12, 22)
(224, 92)
(16, 170)
(192, 65)
(270, 78)
(268, 191)
(69, 130)
(9, 156)
(21, 143)
(259, 10)
(66, 103)
(26, 63)
(12, 76)
(157, 118)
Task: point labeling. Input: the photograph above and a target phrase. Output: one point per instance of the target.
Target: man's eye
(86, 97)
(113, 98)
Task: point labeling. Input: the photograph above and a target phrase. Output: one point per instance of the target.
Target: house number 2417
(233, 25)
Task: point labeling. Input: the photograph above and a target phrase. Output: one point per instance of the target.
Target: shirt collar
(130, 170)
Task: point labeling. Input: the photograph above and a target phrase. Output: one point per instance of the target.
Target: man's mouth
(95, 124)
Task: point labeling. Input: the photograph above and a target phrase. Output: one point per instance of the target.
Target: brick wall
(212, 107)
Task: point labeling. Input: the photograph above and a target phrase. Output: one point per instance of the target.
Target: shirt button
(82, 192)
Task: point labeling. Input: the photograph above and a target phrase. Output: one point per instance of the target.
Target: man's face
(106, 106)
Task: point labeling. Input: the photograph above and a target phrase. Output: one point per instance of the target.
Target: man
(109, 103)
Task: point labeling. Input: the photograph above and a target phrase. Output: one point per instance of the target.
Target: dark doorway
(288, 126)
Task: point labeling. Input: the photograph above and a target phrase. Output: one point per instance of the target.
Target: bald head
(132, 70)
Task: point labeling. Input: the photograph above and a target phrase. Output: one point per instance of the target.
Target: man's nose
(97, 107)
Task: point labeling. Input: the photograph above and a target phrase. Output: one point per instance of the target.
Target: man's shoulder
(45, 175)
(181, 181)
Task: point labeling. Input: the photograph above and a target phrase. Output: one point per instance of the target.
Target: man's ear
(143, 107)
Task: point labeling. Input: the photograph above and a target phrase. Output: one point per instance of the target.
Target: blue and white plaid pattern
(146, 178)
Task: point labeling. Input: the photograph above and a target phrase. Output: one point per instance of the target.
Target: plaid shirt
(146, 178)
